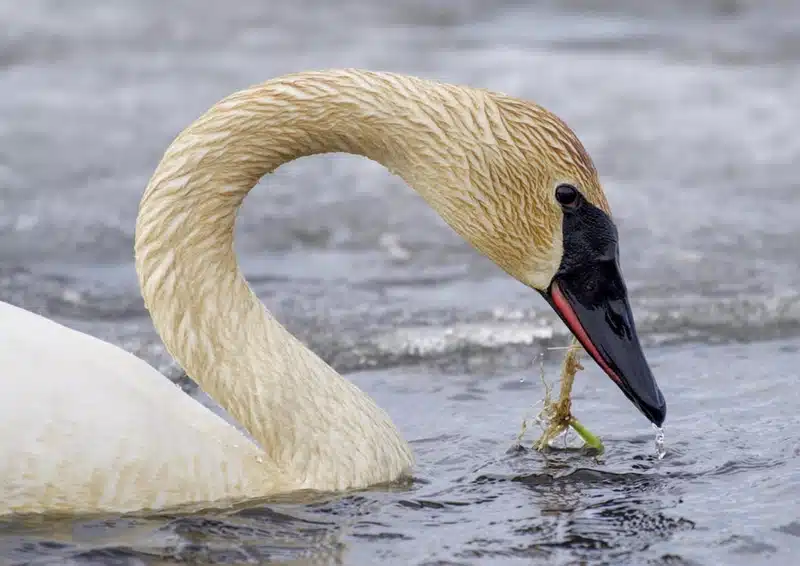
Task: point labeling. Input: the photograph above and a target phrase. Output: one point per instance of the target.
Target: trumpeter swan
(88, 427)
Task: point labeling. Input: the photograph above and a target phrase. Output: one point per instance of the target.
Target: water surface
(689, 110)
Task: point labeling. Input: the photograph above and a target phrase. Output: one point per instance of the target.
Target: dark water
(690, 111)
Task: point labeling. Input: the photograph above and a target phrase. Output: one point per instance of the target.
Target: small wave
(426, 341)
(359, 330)
(676, 321)
(739, 318)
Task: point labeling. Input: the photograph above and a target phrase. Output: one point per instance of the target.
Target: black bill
(589, 294)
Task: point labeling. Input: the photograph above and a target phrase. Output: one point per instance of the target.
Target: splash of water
(661, 451)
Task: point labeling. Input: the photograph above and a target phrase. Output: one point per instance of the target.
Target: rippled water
(689, 110)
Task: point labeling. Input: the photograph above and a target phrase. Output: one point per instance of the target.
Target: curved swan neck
(485, 162)
(292, 403)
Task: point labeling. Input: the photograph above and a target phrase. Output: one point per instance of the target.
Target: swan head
(543, 217)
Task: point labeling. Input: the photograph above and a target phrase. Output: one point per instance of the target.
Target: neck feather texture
(315, 425)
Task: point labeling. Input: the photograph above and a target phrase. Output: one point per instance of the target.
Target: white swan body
(88, 427)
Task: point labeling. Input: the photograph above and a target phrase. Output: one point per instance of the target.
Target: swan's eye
(567, 195)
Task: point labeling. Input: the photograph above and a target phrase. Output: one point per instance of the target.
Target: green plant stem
(590, 439)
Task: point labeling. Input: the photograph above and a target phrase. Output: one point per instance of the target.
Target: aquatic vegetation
(556, 416)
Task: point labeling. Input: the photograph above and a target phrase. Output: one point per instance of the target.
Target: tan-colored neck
(292, 403)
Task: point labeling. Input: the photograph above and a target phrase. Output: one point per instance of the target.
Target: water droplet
(661, 451)
(522, 380)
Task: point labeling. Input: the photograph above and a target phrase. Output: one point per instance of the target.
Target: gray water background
(690, 112)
